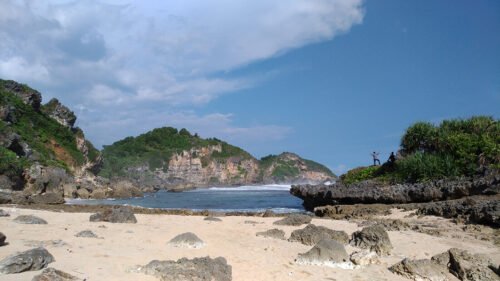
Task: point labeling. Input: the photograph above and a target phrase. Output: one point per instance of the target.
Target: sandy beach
(121, 247)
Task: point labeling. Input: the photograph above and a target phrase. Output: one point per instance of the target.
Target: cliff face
(154, 159)
(40, 148)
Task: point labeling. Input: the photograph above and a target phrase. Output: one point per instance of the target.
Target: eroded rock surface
(31, 260)
(420, 270)
(373, 238)
(197, 269)
(187, 240)
(116, 214)
(51, 274)
(86, 234)
(325, 252)
(312, 234)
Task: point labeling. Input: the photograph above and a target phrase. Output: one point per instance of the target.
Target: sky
(331, 80)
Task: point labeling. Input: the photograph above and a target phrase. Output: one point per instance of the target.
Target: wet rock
(86, 234)
(364, 257)
(31, 260)
(312, 234)
(4, 213)
(272, 233)
(116, 214)
(29, 219)
(469, 267)
(2, 239)
(373, 238)
(51, 274)
(294, 220)
(48, 198)
(197, 269)
(187, 240)
(212, 219)
(325, 252)
(420, 270)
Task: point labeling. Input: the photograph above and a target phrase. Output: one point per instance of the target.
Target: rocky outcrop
(482, 210)
(187, 240)
(312, 234)
(294, 220)
(51, 274)
(28, 96)
(197, 269)
(464, 265)
(60, 113)
(116, 214)
(420, 270)
(369, 192)
(325, 252)
(31, 260)
(373, 238)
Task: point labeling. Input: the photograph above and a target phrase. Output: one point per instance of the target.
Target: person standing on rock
(392, 158)
(375, 158)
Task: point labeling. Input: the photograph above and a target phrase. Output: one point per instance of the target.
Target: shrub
(359, 174)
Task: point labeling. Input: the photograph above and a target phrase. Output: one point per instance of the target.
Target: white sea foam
(270, 187)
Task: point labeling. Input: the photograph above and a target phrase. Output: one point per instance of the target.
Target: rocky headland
(45, 158)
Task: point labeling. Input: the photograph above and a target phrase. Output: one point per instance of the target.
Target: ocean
(222, 199)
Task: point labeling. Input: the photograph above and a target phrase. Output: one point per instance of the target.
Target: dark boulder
(2, 239)
(116, 214)
(31, 260)
(294, 220)
(29, 219)
(373, 238)
(51, 274)
(312, 234)
(197, 269)
(272, 233)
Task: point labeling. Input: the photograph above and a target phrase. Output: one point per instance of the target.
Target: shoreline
(120, 248)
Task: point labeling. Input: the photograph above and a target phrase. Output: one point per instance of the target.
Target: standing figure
(375, 158)
(392, 158)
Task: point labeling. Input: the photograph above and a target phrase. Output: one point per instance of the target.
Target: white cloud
(119, 57)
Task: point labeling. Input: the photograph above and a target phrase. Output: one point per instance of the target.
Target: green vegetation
(157, 147)
(360, 174)
(42, 133)
(284, 167)
(459, 147)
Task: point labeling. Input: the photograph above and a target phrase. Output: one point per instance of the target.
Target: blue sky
(329, 80)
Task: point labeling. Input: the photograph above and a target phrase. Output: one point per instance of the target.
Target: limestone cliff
(176, 160)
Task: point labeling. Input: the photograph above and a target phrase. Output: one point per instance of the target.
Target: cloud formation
(116, 58)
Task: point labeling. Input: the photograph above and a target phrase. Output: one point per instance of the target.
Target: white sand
(252, 258)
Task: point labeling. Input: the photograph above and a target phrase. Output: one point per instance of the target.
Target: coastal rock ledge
(370, 192)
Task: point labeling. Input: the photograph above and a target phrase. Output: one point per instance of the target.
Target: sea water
(224, 199)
